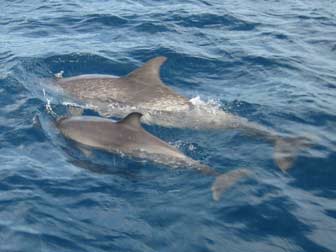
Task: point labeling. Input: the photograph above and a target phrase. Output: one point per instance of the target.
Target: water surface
(270, 61)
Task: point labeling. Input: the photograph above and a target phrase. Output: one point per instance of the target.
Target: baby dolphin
(143, 91)
(128, 137)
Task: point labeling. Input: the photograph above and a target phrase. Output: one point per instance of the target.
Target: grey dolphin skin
(127, 136)
(143, 91)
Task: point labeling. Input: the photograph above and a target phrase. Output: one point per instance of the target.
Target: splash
(59, 75)
(179, 144)
(212, 105)
(48, 104)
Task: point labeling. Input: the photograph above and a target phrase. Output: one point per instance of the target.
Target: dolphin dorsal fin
(132, 119)
(149, 73)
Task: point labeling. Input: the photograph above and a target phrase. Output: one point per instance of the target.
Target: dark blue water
(273, 62)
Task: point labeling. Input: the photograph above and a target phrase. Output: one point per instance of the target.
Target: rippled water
(270, 61)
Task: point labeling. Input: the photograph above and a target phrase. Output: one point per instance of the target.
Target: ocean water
(273, 62)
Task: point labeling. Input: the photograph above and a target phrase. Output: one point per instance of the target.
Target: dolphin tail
(224, 181)
(286, 151)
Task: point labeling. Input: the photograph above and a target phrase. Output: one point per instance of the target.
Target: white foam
(72, 104)
(48, 104)
(212, 105)
(197, 101)
(179, 144)
(59, 75)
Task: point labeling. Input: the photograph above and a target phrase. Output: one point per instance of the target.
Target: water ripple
(271, 62)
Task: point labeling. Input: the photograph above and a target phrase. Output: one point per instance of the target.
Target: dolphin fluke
(286, 151)
(224, 181)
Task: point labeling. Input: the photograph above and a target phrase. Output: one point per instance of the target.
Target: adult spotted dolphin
(130, 138)
(143, 91)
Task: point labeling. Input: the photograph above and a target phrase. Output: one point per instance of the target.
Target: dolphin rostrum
(143, 91)
(128, 137)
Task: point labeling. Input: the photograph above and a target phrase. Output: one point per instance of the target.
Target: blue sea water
(273, 62)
